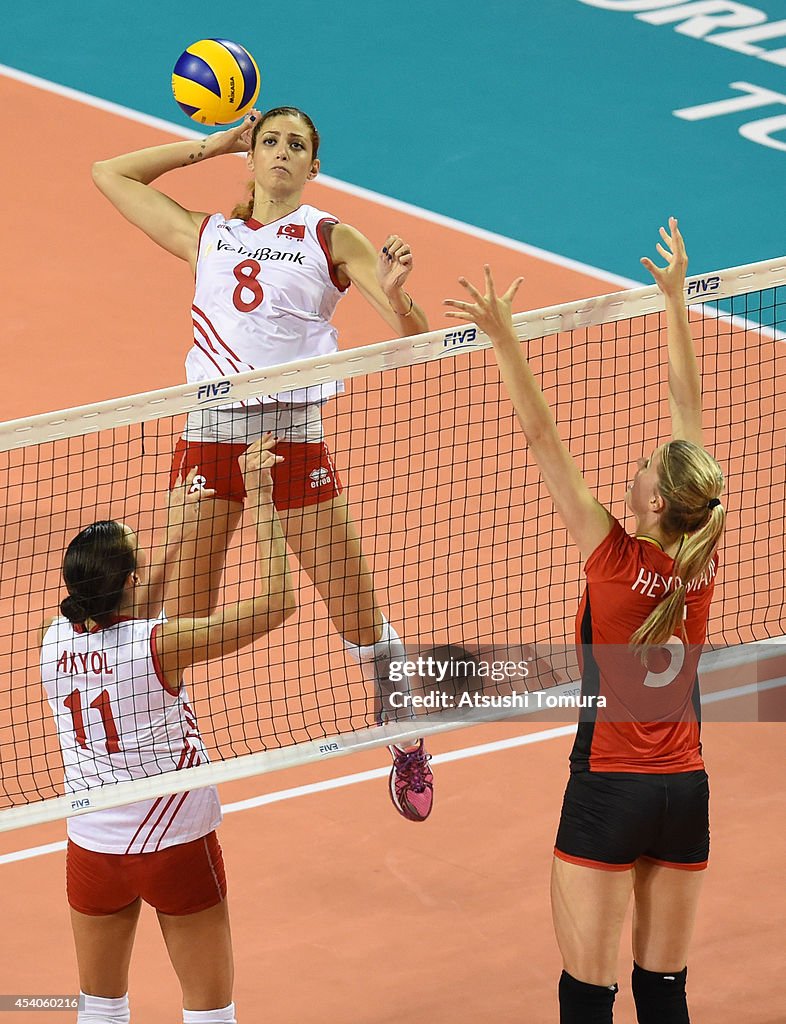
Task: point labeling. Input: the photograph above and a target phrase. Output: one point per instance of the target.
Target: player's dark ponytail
(690, 482)
(73, 609)
(245, 209)
(97, 563)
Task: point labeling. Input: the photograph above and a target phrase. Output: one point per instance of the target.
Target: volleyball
(215, 81)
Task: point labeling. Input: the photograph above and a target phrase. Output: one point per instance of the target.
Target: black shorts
(610, 819)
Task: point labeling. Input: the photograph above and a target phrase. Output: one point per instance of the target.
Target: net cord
(446, 343)
(713, 664)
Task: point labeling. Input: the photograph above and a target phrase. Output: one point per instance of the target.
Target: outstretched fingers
(194, 487)
(678, 242)
(191, 487)
(491, 312)
(265, 443)
(510, 294)
(671, 277)
(463, 310)
(185, 498)
(470, 287)
(491, 294)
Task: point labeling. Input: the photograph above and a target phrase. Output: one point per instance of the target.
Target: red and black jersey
(651, 721)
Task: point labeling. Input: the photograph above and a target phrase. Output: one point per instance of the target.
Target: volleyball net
(461, 535)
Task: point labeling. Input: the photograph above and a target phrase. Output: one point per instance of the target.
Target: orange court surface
(341, 910)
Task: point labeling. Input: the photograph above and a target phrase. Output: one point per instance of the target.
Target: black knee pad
(580, 1003)
(660, 998)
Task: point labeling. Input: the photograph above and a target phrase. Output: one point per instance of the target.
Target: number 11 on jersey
(102, 704)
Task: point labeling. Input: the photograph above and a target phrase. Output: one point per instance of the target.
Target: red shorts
(307, 475)
(179, 880)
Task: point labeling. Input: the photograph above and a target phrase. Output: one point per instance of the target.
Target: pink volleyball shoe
(411, 782)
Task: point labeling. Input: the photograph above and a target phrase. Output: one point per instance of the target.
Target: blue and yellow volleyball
(215, 81)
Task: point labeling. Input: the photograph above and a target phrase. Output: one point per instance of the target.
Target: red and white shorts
(179, 880)
(307, 475)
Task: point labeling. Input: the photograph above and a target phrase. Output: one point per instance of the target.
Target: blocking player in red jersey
(268, 280)
(112, 669)
(635, 813)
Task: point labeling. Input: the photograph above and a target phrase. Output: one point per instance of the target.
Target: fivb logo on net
(213, 389)
(463, 337)
(703, 285)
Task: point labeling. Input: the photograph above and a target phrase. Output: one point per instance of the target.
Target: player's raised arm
(588, 522)
(254, 310)
(185, 641)
(182, 520)
(684, 377)
(379, 276)
(126, 183)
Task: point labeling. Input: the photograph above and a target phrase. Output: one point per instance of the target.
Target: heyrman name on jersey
(652, 584)
(261, 254)
(95, 662)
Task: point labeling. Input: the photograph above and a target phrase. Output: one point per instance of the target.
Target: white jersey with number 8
(117, 720)
(264, 295)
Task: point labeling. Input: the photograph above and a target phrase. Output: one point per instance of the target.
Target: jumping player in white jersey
(112, 668)
(268, 280)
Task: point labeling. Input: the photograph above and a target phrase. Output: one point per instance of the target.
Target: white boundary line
(312, 751)
(337, 184)
(336, 783)
(329, 182)
(556, 313)
(478, 750)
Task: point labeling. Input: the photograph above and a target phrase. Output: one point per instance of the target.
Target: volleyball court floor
(342, 911)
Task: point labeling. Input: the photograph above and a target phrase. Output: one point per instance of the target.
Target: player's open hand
(394, 265)
(256, 463)
(236, 139)
(671, 278)
(491, 312)
(184, 499)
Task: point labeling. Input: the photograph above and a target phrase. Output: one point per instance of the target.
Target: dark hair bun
(97, 563)
(73, 609)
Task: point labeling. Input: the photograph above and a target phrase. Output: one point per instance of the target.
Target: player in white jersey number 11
(268, 280)
(112, 669)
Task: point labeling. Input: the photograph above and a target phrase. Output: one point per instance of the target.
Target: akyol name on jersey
(117, 720)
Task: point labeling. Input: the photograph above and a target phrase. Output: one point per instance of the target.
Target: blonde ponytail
(690, 482)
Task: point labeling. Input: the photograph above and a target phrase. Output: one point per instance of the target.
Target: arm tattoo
(195, 156)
